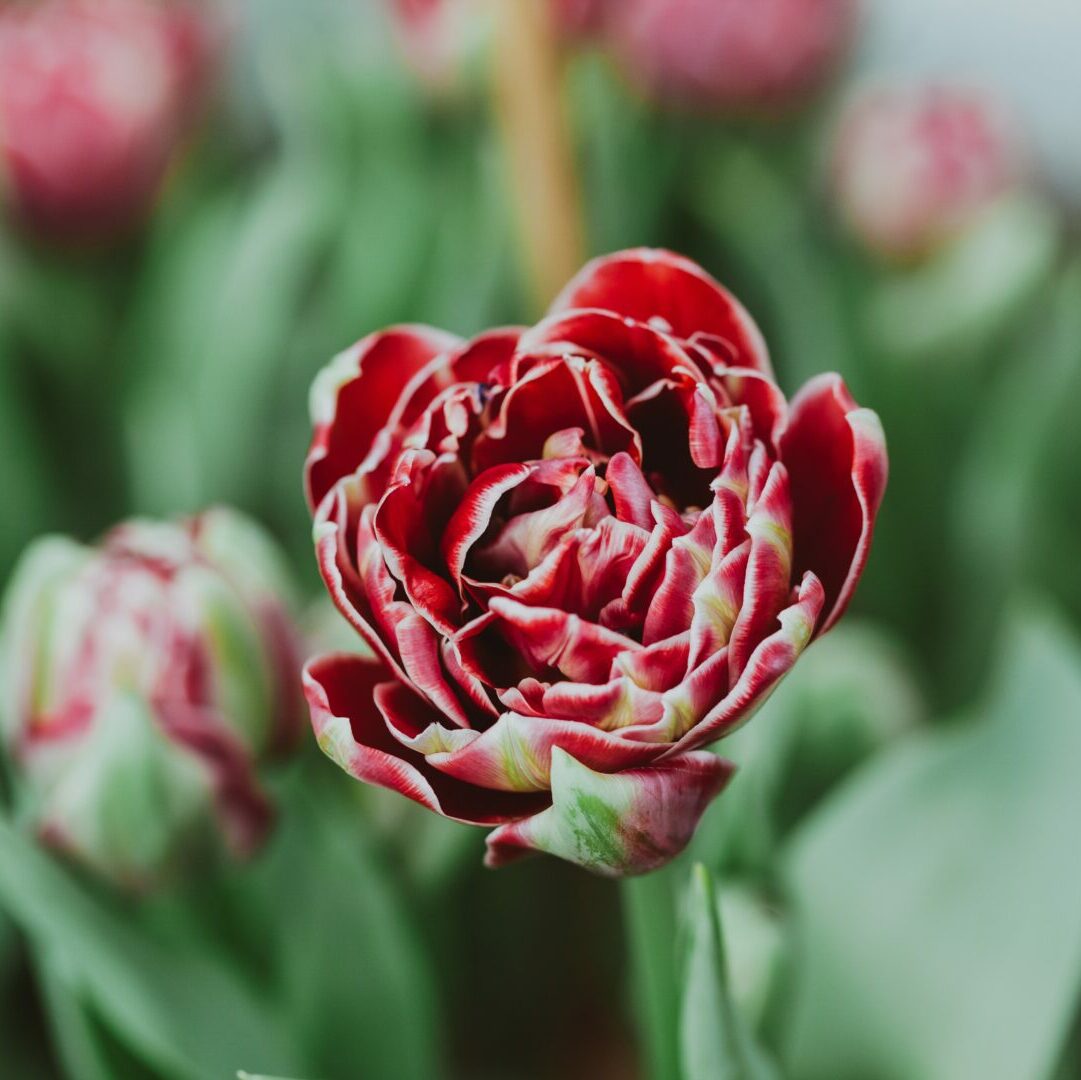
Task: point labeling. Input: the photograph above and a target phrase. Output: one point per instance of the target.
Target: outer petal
(352, 398)
(670, 292)
(351, 731)
(616, 824)
(835, 454)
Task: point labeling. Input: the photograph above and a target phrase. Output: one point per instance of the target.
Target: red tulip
(732, 55)
(580, 552)
(913, 166)
(95, 96)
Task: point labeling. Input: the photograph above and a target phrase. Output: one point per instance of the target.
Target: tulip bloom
(580, 552)
(914, 166)
(143, 682)
(95, 97)
(732, 56)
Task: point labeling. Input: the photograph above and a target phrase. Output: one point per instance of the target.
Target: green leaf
(358, 989)
(182, 1011)
(715, 1042)
(938, 896)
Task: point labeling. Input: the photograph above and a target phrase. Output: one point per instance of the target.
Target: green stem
(649, 910)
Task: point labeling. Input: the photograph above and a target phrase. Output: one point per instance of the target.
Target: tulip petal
(667, 290)
(354, 394)
(835, 454)
(615, 824)
(515, 753)
(771, 660)
(352, 732)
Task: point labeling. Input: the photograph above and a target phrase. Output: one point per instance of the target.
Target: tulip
(580, 553)
(96, 97)
(144, 682)
(914, 166)
(731, 56)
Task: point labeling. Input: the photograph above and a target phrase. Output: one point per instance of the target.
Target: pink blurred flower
(95, 96)
(734, 56)
(144, 682)
(914, 165)
(580, 552)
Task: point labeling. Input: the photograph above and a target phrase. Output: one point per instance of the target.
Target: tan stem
(533, 124)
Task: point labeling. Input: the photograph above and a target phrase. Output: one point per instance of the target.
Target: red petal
(409, 521)
(673, 293)
(771, 660)
(835, 453)
(515, 754)
(353, 396)
(581, 651)
(351, 732)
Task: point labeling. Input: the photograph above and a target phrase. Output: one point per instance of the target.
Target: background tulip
(144, 681)
(580, 552)
(915, 165)
(95, 98)
(731, 55)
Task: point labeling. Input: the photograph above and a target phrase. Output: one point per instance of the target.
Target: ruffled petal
(615, 824)
(669, 292)
(771, 660)
(353, 396)
(515, 753)
(835, 453)
(352, 732)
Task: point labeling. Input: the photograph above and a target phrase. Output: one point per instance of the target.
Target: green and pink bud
(915, 165)
(144, 683)
(580, 552)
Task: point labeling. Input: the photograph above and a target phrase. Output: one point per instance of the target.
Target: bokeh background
(897, 864)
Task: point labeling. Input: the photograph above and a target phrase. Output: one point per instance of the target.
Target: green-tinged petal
(615, 824)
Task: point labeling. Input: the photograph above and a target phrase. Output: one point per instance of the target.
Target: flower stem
(533, 127)
(649, 911)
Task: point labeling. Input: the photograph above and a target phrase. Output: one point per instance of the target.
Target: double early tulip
(580, 553)
(143, 683)
(95, 96)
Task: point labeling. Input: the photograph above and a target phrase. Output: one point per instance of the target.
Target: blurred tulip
(914, 166)
(95, 97)
(143, 682)
(735, 56)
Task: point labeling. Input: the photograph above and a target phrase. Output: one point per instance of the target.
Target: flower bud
(144, 680)
(95, 97)
(732, 55)
(913, 166)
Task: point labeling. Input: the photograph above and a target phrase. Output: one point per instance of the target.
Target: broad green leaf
(997, 531)
(358, 990)
(938, 896)
(181, 1010)
(715, 1042)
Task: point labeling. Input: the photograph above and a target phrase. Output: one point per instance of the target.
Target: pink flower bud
(144, 681)
(912, 166)
(734, 56)
(95, 96)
